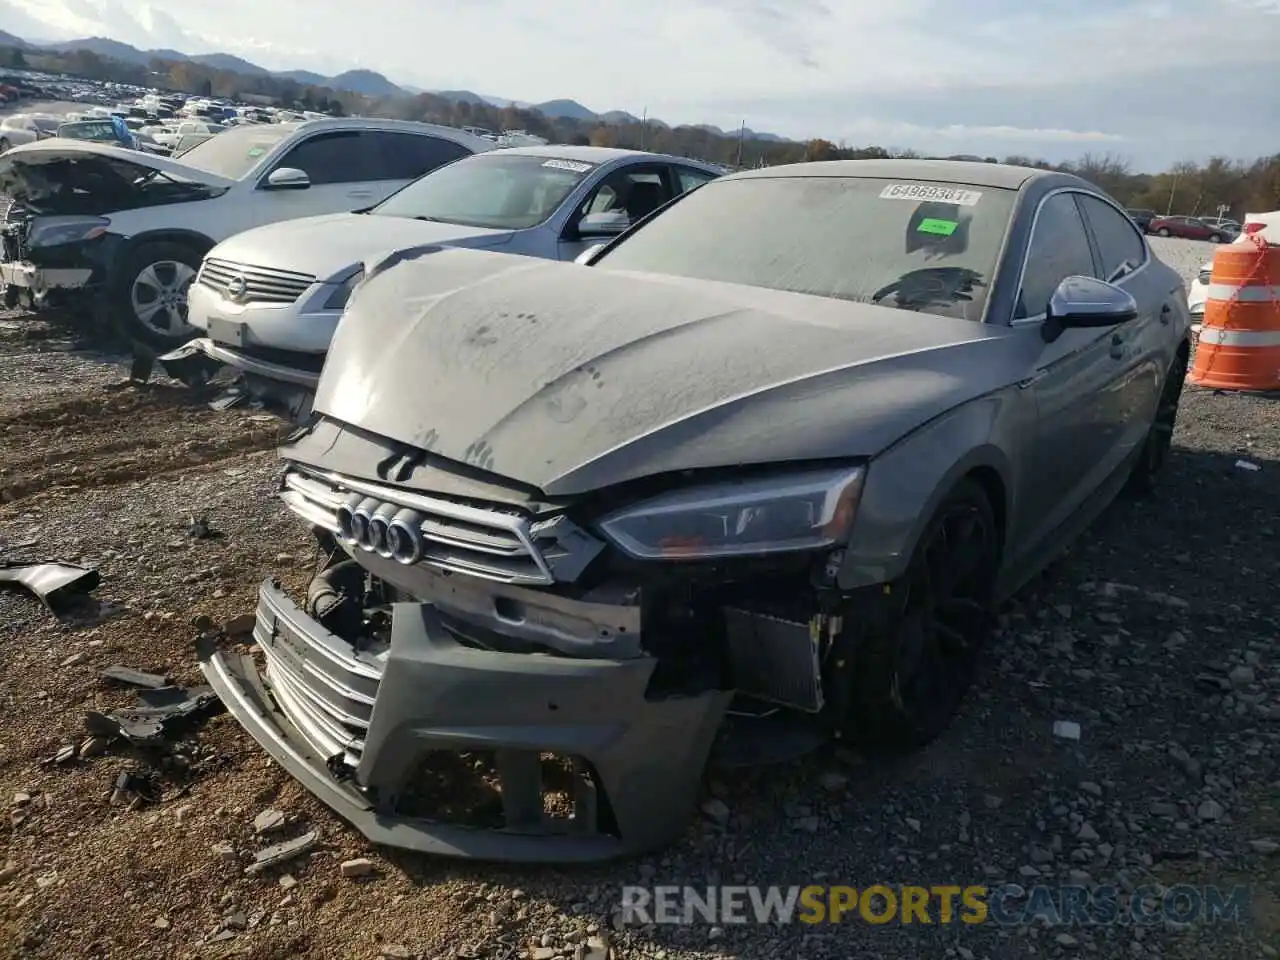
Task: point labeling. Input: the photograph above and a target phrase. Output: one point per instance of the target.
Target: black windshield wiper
(919, 288)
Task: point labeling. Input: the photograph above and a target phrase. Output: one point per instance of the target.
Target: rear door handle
(360, 193)
(1165, 312)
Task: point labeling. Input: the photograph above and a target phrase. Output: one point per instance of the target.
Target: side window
(1059, 249)
(691, 179)
(637, 191)
(1119, 243)
(407, 156)
(346, 157)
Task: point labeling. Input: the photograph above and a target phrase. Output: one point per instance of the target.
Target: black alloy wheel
(1155, 449)
(916, 658)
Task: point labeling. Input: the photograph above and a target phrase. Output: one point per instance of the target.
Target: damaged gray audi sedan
(773, 454)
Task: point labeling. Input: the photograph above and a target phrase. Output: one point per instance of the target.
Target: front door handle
(1165, 312)
(360, 193)
(1117, 347)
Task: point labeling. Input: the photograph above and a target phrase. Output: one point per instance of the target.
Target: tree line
(1187, 188)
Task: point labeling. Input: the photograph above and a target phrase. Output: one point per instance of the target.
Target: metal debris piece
(199, 528)
(53, 582)
(134, 678)
(282, 852)
(229, 398)
(148, 725)
(135, 787)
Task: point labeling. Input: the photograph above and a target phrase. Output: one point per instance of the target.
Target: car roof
(592, 154)
(978, 174)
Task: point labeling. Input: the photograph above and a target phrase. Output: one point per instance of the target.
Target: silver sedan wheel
(159, 297)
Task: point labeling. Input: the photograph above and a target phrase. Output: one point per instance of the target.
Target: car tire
(1163, 231)
(913, 645)
(151, 272)
(1215, 238)
(4, 144)
(1146, 471)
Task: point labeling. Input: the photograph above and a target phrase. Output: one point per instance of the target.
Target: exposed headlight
(800, 511)
(338, 299)
(52, 233)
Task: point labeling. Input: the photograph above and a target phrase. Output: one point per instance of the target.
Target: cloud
(1051, 78)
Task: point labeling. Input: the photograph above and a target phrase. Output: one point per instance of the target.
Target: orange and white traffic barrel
(1239, 343)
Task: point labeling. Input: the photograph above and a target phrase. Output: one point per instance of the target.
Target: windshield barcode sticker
(924, 192)
(574, 166)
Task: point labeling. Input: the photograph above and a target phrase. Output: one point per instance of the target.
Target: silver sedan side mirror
(1087, 302)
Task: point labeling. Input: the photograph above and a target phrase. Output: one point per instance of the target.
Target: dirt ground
(1158, 635)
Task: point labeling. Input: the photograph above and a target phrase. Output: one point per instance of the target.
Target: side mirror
(586, 256)
(608, 224)
(287, 178)
(1086, 302)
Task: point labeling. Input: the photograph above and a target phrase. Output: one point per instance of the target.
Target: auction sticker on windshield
(924, 192)
(574, 166)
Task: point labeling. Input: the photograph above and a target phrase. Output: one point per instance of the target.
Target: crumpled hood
(571, 378)
(329, 246)
(20, 164)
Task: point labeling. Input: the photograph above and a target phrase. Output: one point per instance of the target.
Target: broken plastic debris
(1066, 729)
(147, 725)
(52, 581)
(282, 852)
(134, 678)
(1247, 465)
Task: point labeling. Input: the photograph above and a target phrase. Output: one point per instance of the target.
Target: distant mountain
(225, 61)
(105, 47)
(366, 83)
(464, 96)
(565, 110)
(305, 76)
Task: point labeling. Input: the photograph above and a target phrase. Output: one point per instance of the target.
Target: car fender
(906, 483)
(194, 239)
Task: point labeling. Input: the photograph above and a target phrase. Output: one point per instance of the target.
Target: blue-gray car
(268, 300)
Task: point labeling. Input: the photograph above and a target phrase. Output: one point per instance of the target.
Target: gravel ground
(1157, 635)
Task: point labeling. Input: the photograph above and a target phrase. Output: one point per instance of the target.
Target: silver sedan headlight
(799, 511)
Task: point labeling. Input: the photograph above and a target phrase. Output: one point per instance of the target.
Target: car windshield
(914, 245)
(234, 153)
(46, 124)
(501, 190)
(98, 130)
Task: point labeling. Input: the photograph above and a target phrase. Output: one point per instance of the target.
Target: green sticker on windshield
(255, 152)
(943, 228)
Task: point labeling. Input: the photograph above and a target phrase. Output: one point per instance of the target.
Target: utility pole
(644, 125)
(1172, 190)
(742, 132)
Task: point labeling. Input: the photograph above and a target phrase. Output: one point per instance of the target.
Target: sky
(1152, 81)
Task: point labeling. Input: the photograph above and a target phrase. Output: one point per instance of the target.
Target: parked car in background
(22, 128)
(1198, 291)
(1188, 228)
(786, 443)
(1231, 227)
(107, 130)
(100, 224)
(171, 134)
(269, 299)
(1142, 217)
(1264, 225)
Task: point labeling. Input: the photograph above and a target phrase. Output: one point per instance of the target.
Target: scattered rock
(359, 867)
(268, 821)
(1086, 833)
(1210, 810)
(1241, 676)
(1266, 847)
(716, 810)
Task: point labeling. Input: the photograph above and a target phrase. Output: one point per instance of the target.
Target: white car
(270, 299)
(22, 128)
(1263, 225)
(170, 134)
(100, 226)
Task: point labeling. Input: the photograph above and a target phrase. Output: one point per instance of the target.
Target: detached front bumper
(361, 733)
(223, 354)
(40, 280)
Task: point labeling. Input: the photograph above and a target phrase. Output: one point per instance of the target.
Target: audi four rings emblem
(237, 287)
(382, 528)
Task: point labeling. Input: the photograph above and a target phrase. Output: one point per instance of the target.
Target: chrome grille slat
(262, 284)
(326, 688)
(495, 544)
